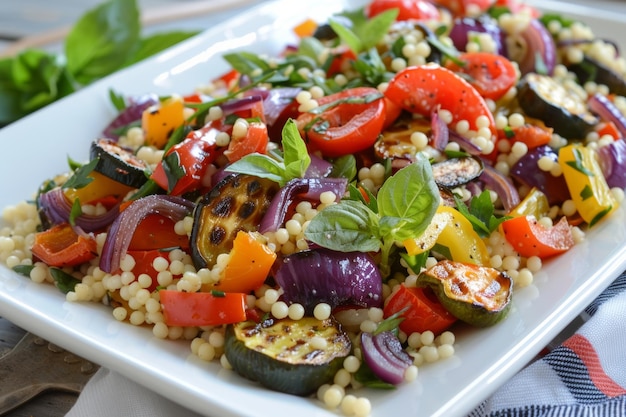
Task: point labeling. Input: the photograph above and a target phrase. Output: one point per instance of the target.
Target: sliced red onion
(384, 355)
(299, 188)
(612, 159)
(277, 101)
(318, 168)
(325, 276)
(240, 104)
(539, 46)
(502, 185)
(525, 171)
(57, 209)
(608, 112)
(130, 114)
(122, 229)
(464, 143)
(440, 132)
(462, 28)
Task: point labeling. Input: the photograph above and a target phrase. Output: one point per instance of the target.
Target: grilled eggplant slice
(561, 107)
(118, 163)
(238, 202)
(454, 172)
(590, 69)
(281, 354)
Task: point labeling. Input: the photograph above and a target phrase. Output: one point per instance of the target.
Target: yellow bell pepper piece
(534, 204)
(451, 229)
(586, 183)
(101, 187)
(159, 121)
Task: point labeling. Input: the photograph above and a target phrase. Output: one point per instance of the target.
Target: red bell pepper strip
(530, 238)
(422, 310)
(202, 308)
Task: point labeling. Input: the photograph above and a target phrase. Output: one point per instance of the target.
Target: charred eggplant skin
(454, 172)
(236, 203)
(543, 98)
(591, 70)
(118, 163)
(278, 353)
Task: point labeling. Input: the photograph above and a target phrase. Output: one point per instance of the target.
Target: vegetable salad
(325, 219)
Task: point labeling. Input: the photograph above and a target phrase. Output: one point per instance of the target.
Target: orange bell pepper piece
(249, 264)
(60, 246)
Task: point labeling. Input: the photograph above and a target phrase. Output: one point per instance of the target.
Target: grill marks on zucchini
(280, 354)
(560, 106)
(118, 163)
(237, 203)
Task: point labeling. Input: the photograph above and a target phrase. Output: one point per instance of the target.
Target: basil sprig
(405, 205)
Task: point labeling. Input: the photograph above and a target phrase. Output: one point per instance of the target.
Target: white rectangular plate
(36, 148)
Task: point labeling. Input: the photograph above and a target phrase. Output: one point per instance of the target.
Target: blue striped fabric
(569, 361)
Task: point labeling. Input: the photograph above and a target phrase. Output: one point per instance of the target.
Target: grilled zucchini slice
(281, 354)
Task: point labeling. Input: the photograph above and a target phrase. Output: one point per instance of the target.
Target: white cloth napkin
(584, 376)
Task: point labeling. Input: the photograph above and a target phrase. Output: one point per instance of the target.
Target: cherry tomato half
(407, 9)
(491, 75)
(426, 88)
(350, 121)
(423, 310)
(530, 238)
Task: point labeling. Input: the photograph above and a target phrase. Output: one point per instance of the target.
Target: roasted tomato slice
(344, 123)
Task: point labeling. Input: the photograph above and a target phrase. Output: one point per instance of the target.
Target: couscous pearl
(445, 351)
(348, 404)
(362, 407)
(427, 338)
(333, 396)
(271, 296)
(322, 311)
(447, 338)
(296, 311)
(410, 374)
(160, 330)
(280, 310)
(429, 353)
(368, 326)
(351, 364)
(206, 352)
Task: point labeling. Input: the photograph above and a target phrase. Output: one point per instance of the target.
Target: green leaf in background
(40, 77)
(103, 40)
(158, 42)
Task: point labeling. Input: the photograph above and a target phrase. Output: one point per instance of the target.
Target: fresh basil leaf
(480, 213)
(415, 262)
(75, 212)
(346, 226)
(81, 177)
(117, 100)
(246, 62)
(311, 47)
(295, 155)
(399, 229)
(259, 165)
(411, 193)
(374, 29)
(103, 40)
(368, 378)
(344, 167)
(348, 37)
(174, 171)
(23, 270)
(63, 281)
(158, 42)
(369, 199)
